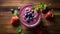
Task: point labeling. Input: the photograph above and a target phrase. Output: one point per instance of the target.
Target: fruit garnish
(43, 6)
(35, 7)
(48, 15)
(15, 13)
(18, 29)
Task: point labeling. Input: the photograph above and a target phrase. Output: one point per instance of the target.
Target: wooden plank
(54, 28)
(8, 8)
(24, 2)
(5, 16)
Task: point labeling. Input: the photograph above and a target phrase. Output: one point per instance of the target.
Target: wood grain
(5, 16)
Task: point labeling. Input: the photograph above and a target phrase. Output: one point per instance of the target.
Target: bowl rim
(29, 26)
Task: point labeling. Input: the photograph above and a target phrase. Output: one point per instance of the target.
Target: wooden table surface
(5, 16)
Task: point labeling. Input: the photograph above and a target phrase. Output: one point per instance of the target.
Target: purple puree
(36, 20)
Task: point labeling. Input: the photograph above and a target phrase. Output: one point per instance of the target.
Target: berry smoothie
(29, 17)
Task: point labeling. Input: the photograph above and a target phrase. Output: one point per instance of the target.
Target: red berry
(48, 15)
(13, 19)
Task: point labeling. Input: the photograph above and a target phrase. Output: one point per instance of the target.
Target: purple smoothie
(36, 18)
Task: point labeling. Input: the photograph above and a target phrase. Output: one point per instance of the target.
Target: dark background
(5, 16)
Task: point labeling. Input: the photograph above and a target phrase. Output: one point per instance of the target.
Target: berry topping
(27, 19)
(29, 15)
(31, 18)
(32, 11)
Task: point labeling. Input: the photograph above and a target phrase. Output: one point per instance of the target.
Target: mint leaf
(35, 7)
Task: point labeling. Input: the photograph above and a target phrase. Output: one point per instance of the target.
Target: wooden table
(5, 16)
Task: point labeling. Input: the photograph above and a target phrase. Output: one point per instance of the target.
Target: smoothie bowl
(29, 17)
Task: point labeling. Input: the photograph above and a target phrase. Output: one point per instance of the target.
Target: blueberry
(26, 15)
(19, 8)
(32, 15)
(12, 10)
(32, 11)
(31, 18)
(29, 13)
(27, 19)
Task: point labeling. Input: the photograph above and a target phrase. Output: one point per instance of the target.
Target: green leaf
(18, 29)
(15, 13)
(35, 7)
(43, 5)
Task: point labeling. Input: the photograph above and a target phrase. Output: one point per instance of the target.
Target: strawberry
(14, 21)
(48, 15)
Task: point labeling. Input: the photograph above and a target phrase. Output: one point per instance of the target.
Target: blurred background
(5, 16)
